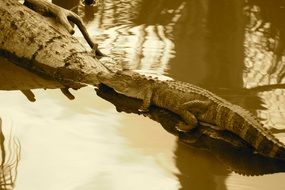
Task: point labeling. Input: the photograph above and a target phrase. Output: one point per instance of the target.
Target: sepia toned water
(233, 48)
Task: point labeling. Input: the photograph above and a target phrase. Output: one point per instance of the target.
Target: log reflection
(13, 77)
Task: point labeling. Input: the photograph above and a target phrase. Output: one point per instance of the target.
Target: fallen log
(43, 46)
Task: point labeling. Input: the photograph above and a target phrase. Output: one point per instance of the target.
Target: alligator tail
(245, 125)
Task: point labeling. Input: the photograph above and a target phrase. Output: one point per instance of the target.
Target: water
(233, 48)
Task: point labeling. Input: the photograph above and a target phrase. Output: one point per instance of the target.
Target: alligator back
(239, 121)
(172, 95)
(231, 117)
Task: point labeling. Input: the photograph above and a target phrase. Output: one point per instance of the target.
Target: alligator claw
(183, 127)
(95, 50)
(29, 94)
(143, 110)
(66, 92)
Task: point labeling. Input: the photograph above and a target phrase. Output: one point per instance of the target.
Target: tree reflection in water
(206, 42)
(264, 44)
(265, 58)
(10, 156)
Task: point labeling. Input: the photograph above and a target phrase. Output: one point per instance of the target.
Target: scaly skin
(195, 104)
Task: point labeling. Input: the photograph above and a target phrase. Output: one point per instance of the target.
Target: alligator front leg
(146, 100)
(197, 106)
(187, 110)
(29, 94)
(64, 16)
(68, 94)
(190, 121)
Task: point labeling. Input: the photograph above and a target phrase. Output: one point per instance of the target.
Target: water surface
(233, 48)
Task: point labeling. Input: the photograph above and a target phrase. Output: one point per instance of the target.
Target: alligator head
(125, 82)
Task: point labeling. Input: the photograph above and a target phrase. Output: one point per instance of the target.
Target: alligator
(195, 105)
(224, 145)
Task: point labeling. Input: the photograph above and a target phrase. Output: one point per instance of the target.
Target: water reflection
(222, 45)
(264, 58)
(13, 77)
(70, 5)
(138, 46)
(273, 114)
(207, 37)
(175, 37)
(264, 43)
(10, 156)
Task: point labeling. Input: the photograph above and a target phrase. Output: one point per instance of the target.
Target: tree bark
(43, 46)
